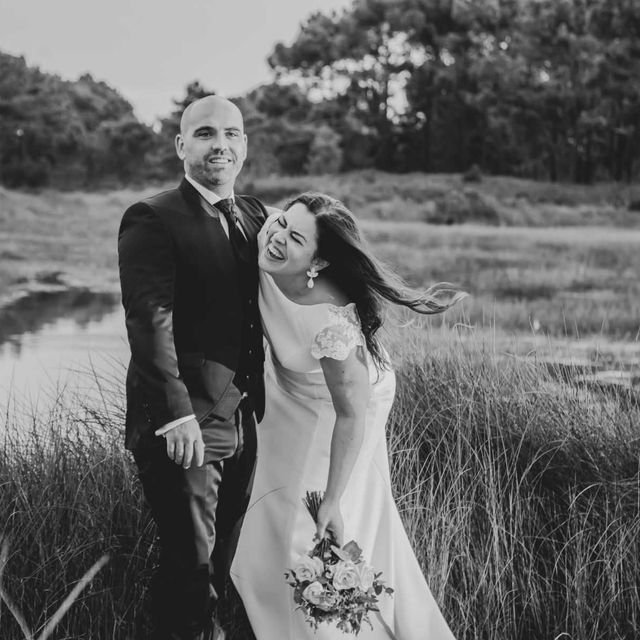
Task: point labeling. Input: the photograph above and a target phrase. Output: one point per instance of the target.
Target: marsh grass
(550, 272)
(563, 281)
(519, 492)
(447, 198)
(69, 496)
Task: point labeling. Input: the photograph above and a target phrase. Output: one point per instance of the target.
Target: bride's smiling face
(290, 243)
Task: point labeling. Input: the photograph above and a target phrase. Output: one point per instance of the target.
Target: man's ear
(179, 142)
(246, 146)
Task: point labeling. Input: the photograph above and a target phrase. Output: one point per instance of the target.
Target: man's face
(212, 144)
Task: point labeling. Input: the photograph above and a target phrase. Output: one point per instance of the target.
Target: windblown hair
(363, 278)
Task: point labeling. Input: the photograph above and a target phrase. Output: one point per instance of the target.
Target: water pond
(55, 340)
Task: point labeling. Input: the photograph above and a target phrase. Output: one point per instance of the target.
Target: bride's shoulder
(335, 330)
(327, 293)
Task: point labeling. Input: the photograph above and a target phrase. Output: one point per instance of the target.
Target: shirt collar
(207, 194)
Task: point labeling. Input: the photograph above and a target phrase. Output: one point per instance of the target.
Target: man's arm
(147, 274)
(272, 210)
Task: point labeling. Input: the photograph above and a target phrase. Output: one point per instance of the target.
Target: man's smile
(219, 160)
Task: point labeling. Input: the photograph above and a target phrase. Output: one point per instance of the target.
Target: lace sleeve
(340, 335)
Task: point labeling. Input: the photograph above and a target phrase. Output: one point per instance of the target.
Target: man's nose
(219, 141)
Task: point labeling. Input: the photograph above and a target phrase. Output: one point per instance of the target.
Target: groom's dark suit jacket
(188, 313)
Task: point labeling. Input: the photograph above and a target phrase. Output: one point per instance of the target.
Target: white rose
(367, 576)
(313, 593)
(345, 576)
(308, 568)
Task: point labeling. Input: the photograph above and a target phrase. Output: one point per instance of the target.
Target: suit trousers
(198, 513)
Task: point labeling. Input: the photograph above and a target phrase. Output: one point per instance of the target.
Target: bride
(329, 390)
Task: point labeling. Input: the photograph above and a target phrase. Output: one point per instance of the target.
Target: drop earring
(312, 273)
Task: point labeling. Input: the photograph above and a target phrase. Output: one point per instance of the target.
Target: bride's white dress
(293, 457)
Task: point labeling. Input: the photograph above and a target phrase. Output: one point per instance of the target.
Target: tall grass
(70, 495)
(519, 492)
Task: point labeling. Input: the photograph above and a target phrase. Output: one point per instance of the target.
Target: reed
(518, 490)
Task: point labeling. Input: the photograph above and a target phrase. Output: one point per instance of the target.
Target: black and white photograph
(320, 319)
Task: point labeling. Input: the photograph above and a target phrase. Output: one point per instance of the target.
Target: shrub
(473, 174)
(457, 207)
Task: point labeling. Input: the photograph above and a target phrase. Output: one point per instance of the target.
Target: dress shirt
(211, 198)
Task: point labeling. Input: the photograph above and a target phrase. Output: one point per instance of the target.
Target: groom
(189, 278)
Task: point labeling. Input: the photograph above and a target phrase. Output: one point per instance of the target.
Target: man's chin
(214, 181)
(212, 176)
(218, 177)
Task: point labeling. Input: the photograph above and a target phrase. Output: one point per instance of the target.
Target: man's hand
(263, 235)
(185, 444)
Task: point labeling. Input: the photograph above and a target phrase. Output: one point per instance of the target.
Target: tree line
(546, 89)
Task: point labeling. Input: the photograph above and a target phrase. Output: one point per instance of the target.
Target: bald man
(189, 278)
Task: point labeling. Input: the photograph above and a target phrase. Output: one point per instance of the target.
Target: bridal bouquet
(333, 584)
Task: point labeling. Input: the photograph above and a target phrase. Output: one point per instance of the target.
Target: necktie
(236, 236)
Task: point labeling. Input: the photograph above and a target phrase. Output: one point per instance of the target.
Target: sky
(149, 50)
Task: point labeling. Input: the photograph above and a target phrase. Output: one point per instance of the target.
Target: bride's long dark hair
(363, 278)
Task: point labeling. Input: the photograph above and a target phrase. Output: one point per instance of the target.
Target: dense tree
(359, 58)
(547, 89)
(542, 88)
(67, 134)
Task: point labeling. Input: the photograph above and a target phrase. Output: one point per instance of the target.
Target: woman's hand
(263, 235)
(330, 520)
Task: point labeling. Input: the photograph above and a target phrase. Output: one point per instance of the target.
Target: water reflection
(33, 312)
(55, 340)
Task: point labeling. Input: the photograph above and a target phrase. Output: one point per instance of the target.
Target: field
(567, 268)
(515, 467)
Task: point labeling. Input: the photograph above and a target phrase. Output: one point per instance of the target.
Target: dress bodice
(299, 335)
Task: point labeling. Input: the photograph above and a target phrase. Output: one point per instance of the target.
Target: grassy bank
(449, 199)
(574, 279)
(519, 493)
(70, 234)
(559, 281)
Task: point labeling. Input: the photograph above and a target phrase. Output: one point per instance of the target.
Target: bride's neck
(293, 286)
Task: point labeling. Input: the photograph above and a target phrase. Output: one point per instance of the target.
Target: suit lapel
(213, 241)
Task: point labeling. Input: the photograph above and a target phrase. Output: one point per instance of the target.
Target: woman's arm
(348, 382)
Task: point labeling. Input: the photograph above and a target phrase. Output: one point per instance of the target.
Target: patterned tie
(236, 236)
